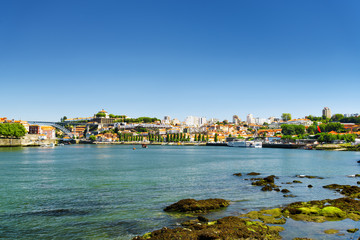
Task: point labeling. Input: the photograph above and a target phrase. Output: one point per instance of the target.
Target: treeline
(335, 118)
(328, 137)
(12, 130)
(141, 120)
(127, 137)
(292, 129)
(138, 120)
(323, 137)
(332, 126)
(355, 120)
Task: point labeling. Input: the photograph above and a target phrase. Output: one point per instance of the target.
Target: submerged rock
(309, 176)
(285, 190)
(289, 195)
(253, 174)
(297, 181)
(237, 174)
(197, 206)
(310, 186)
(331, 231)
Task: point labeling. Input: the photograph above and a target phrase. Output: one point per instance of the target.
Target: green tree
(92, 138)
(286, 116)
(337, 117)
(16, 130)
(216, 137)
(292, 129)
(101, 115)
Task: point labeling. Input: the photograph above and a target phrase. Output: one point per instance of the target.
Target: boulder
(197, 206)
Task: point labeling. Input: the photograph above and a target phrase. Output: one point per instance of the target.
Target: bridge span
(53, 124)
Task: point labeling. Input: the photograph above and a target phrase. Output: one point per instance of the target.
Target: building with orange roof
(48, 131)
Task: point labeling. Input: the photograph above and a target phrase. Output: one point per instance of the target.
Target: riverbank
(26, 141)
(153, 143)
(338, 147)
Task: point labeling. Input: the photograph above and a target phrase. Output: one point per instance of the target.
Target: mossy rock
(253, 174)
(224, 228)
(332, 212)
(352, 230)
(197, 206)
(309, 210)
(331, 231)
(269, 216)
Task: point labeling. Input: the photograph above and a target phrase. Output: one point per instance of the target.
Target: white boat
(256, 144)
(243, 143)
(237, 143)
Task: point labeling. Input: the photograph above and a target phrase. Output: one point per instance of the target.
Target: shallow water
(104, 191)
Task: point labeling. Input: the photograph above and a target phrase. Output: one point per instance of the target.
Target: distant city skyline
(178, 59)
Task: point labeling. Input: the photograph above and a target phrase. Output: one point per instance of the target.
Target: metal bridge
(53, 124)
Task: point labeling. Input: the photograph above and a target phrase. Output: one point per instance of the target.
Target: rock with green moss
(197, 206)
(224, 228)
(324, 210)
(331, 231)
(268, 183)
(269, 216)
(347, 190)
(332, 212)
(352, 230)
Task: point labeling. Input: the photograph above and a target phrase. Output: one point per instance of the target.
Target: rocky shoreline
(265, 223)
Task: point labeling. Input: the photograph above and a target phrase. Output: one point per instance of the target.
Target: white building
(193, 121)
(202, 121)
(167, 120)
(213, 120)
(250, 119)
(351, 115)
(175, 121)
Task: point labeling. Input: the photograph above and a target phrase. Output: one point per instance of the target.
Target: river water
(115, 192)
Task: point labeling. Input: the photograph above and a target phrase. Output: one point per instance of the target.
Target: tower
(326, 112)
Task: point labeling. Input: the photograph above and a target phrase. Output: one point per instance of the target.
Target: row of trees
(292, 129)
(332, 126)
(355, 120)
(328, 137)
(12, 130)
(322, 137)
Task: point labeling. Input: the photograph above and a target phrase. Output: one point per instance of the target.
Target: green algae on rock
(197, 206)
(347, 190)
(271, 216)
(331, 231)
(324, 210)
(224, 228)
(352, 230)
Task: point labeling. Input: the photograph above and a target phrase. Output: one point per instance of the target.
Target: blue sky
(178, 58)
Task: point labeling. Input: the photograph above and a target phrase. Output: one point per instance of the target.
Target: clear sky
(178, 58)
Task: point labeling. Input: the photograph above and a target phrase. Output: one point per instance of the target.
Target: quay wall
(26, 141)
